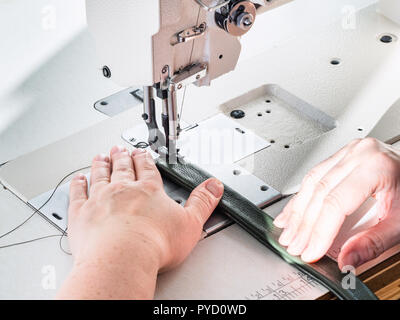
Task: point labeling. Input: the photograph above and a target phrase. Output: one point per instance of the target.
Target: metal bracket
(212, 8)
(120, 101)
(188, 76)
(191, 33)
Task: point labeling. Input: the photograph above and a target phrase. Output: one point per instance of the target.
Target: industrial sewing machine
(179, 43)
(291, 105)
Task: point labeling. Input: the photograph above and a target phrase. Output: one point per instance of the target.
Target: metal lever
(156, 138)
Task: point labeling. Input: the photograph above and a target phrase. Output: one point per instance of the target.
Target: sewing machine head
(168, 44)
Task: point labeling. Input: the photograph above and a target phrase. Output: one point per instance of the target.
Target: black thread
(36, 212)
(139, 145)
(28, 241)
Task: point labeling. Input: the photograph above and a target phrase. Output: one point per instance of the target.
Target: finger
(282, 219)
(122, 165)
(77, 193)
(100, 171)
(292, 219)
(339, 203)
(304, 228)
(370, 244)
(145, 166)
(204, 199)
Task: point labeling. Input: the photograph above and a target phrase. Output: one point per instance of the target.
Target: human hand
(335, 189)
(127, 225)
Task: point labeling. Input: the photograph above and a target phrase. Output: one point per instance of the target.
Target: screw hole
(335, 62)
(268, 101)
(287, 146)
(387, 38)
(264, 188)
(221, 56)
(179, 201)
(55, 215)
(104, 103)
(236, 172)
(259, 114)
(360, 129)
(272, 141)
(268, 111)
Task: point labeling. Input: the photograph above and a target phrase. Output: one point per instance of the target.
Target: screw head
(238, 114)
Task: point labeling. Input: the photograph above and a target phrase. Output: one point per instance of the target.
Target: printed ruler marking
(289, 287)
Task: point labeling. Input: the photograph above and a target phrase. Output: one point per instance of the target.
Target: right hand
(335, 189)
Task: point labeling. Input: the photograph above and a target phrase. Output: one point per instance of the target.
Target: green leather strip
(260, 225)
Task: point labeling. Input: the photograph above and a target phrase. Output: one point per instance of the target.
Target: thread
(139, 145)
(35, 213)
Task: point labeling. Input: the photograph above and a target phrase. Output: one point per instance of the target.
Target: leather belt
(260, 225)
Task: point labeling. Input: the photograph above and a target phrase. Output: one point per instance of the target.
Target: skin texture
(335, 189)
(127, 230)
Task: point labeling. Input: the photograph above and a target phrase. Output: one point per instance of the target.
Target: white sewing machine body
(305, 92)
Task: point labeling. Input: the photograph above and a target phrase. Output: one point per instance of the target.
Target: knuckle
(311, 177)
(100, 164)
(368, 143)
(375, 245)
(355, 141)
(148, 163)
(322, 186)
(203, 200)
(384, 159)
(126, 169)
(332, 201)
(118, 187)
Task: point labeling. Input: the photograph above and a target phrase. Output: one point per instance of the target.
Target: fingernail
(278, 222)
(102, 157)
(80, 176)
(309, 255)
(215, 187)
(286, 237)
(138, 151)
(118, 149)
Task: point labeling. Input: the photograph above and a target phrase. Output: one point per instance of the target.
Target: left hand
(126, 229)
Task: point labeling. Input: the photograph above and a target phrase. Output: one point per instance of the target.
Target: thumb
(204, 199)
(370, 244)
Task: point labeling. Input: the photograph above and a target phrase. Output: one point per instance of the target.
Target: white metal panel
(123, 31)
(391, 9)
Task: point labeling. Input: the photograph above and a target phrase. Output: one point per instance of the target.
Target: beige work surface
(357, 94)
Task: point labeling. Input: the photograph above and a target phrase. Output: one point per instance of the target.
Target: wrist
(115, 272)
